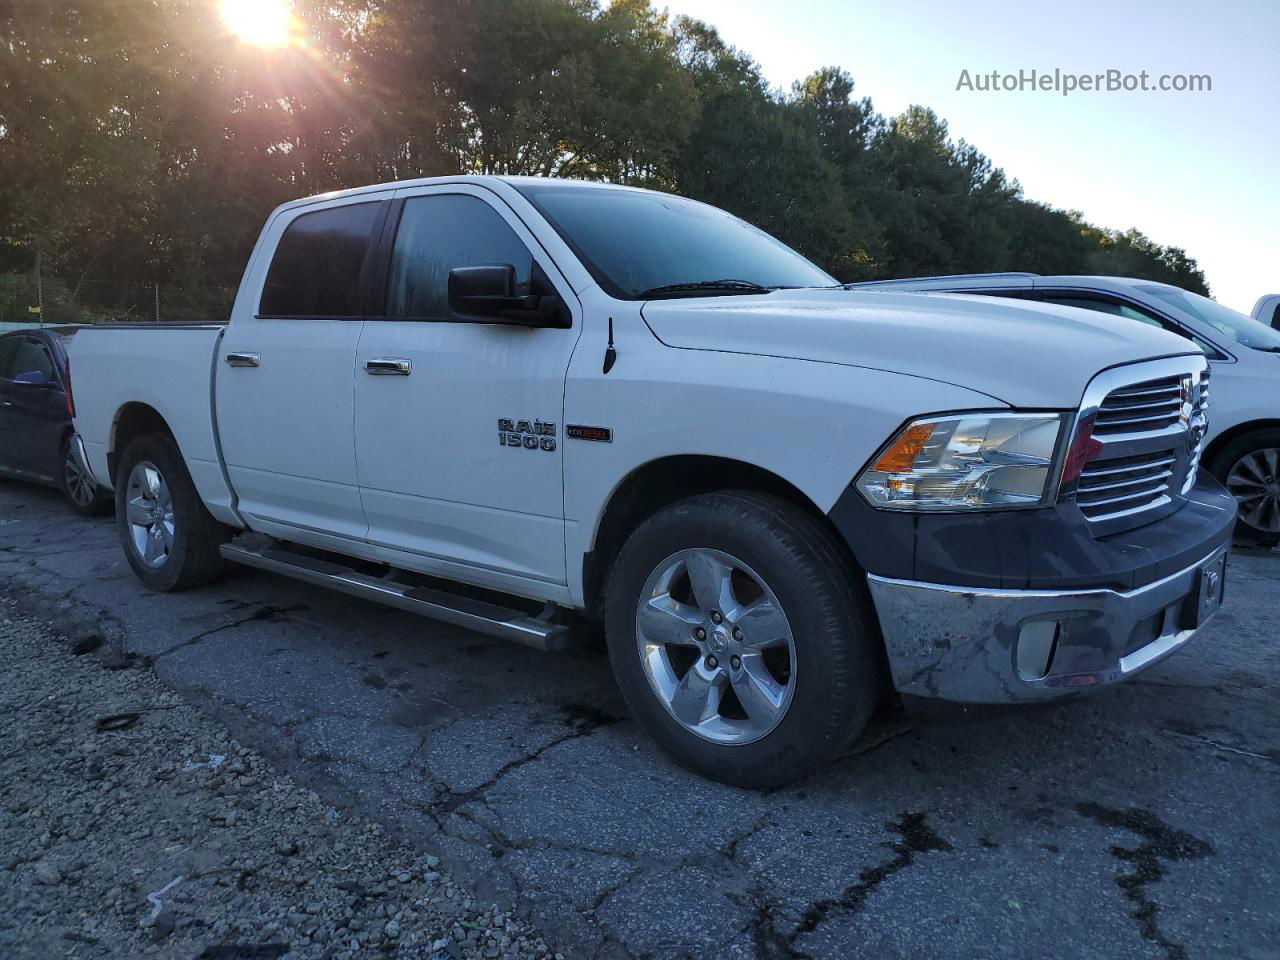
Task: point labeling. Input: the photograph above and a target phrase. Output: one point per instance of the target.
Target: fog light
(1037, 642)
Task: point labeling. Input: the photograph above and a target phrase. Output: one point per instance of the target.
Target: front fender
(810, 423)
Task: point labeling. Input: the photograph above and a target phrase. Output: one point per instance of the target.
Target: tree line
(140, 141)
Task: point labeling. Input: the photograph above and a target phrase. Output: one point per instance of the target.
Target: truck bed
(122, 368)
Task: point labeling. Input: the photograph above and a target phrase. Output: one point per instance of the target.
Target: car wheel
(78, 487)
(169, 538)
(740, 638)
(1249, 467)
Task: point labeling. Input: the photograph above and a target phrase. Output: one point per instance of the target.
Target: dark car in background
(36, 407)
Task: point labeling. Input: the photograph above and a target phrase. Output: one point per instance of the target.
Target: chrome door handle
(244, 360)
(388, 367)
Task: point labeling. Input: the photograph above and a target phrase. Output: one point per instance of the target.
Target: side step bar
(539, 632)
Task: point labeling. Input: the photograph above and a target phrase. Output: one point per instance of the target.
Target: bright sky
(1195, 170)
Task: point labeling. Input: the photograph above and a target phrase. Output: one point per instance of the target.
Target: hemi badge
(575, 431)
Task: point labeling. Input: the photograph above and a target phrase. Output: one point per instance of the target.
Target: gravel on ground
(132, 825)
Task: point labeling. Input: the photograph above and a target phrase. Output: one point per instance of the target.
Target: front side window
(32, 362)
(319, 263)
(639, 244)
(1107, 306)
(1119, 309)
(1275, 317)
(438, 233)
(1245, 331)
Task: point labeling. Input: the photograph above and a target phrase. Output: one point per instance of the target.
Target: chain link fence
(28, 300)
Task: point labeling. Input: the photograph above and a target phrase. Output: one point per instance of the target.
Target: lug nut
(712, 663)
(699, 634)
(737, 634)
(715, 616)
(735, 662)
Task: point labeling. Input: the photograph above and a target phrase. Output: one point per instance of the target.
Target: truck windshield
(1243, 330)
(643, 245)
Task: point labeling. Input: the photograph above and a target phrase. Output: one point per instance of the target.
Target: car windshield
(1243, 330)
(638, 244)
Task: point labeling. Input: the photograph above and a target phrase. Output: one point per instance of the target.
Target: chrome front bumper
(1003, 646)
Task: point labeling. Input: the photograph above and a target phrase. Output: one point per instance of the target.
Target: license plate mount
(1206, 596)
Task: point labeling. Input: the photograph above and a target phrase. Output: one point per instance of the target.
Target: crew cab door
(442, 489)
(285, 371)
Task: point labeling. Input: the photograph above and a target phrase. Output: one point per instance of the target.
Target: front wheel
(740, 639)
(169, 538)
(1249, 466)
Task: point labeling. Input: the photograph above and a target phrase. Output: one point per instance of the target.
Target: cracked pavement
(1143, 821)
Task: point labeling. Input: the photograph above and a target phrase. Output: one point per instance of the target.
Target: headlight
(975, 461)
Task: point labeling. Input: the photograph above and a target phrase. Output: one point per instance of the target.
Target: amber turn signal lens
(901, 457)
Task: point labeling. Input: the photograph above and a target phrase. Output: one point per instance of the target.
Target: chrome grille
(1110, 487)
(1142, 407)
(1147, 432)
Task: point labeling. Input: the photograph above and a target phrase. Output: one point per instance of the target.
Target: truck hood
(1022, 354)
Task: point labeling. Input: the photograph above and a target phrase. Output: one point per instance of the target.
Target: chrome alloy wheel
(716, 647)
(1255, 483)
(79, 484)
(150, 514)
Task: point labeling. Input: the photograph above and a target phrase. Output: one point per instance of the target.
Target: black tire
(81, 493)
(192, 558)
(837, 678)
(1226, 460)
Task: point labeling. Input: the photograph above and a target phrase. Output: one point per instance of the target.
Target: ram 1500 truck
(509, 403)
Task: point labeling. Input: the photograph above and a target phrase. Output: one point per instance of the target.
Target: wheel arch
(663, 481)
(1220, 442)
(133, 420)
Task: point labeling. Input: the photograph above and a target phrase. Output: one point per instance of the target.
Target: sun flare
(263, 23)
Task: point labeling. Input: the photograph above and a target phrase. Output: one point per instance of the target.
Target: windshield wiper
(725, 286)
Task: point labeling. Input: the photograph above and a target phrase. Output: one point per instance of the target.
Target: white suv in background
(1267, 310)
(1244, 357)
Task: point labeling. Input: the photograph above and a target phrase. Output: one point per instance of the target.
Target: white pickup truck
(516, 403)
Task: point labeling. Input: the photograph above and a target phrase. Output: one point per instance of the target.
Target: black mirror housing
(488, 294)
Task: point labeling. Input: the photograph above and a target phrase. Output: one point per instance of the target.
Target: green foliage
(561, 88)
(1133, 254)
(757, 157)
(141, 142)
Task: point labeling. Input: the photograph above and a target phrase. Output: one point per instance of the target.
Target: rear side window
(319, 265)
(8, 350)
(438, 233)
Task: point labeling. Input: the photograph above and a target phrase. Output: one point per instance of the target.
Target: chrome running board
(539, 632)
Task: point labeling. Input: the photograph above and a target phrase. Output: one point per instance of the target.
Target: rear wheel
(739, 639)
(78, 487)
(169, 538)
(1249, 466)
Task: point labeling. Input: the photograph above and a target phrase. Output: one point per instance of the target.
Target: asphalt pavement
(1141, 821)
